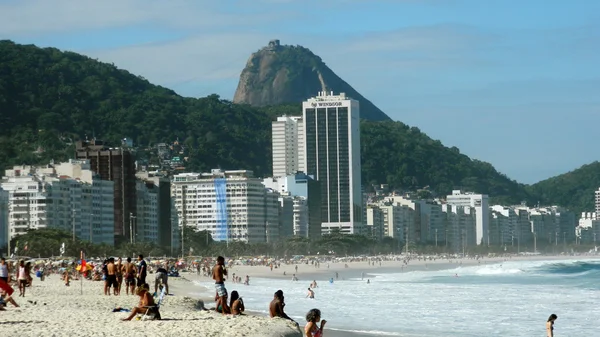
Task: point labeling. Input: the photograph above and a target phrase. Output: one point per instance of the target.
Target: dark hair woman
(313, 317)
(550, 325)
(236, 304)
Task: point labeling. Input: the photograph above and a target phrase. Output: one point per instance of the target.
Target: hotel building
(288, 146)
(332, 156)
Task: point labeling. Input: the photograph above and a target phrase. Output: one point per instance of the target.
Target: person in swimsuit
(22, 278)
(218, 274)
(4, 271)
(119, 266)
(311, 293)
(313, 317)
(236, 304)
(550, 325)
(130, 272)
(111, 277)
(276, 306)
(146, 300)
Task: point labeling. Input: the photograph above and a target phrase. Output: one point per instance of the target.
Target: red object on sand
(6, 287)
(83, 264)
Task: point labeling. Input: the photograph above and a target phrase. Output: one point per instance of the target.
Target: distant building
(288, 146)
(154, 200)
(482, 211)
(117, 165)
(332, 156)
(305, 192)
(231, 205)
(597, 201)
(67, 196)
(375, 222)
(3, 218)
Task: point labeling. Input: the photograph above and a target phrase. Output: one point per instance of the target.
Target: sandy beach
(51, 309)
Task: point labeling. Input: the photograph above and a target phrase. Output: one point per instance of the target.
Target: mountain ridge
(48, 98)
(279, 74)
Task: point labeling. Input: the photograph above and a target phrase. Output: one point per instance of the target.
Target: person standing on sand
(313, 317)
(130, 272)
(22, 278)
(276, 306)
(550, 325)
(119, 271)
(111, 277)
(142, 270)
(218, 274)
(4, 271)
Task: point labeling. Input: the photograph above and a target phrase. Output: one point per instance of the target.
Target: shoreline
(308, 273)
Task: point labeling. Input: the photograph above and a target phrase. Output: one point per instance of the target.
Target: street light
(131, 217)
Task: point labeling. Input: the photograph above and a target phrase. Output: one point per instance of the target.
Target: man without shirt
(218, 274)
(276, 306)
(129, 270)
(111, 278)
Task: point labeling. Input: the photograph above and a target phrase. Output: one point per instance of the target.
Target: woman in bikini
(313, 317)
(550, 325)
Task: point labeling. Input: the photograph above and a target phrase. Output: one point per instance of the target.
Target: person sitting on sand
(146, 301)
(4, 298)
(236, 304)
(311, 293)
(276, 306)
(313, 317)
(550, 325)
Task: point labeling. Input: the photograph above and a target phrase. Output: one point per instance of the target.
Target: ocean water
(509, 299)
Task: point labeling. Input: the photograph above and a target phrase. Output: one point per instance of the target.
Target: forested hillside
(50, 98)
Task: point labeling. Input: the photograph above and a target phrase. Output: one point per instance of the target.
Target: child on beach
(313, 317)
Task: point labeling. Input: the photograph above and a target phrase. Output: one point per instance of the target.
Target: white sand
(63, 311)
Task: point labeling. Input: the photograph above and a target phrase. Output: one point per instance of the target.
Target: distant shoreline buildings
(107, 196)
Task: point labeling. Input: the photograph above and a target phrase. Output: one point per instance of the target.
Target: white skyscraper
(288, 146)
(482, 212)
(332, 156)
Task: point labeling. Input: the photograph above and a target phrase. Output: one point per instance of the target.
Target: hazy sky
(512, 82)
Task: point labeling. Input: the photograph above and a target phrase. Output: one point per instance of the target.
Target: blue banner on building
(221, 199)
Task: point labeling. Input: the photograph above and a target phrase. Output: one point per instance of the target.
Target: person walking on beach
(550, 325)
(22, 278)
(142, 270)
(276, 306)
(130, 272)
(218, 274)
(313, 317)
(162, 277)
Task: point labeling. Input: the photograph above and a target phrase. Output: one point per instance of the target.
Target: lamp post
(73, 222)
(436, 238)
(91, 227)
(131, 217)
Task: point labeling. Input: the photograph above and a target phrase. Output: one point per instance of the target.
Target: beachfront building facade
(67, 196)
(288, 145)
(332, 156)
(461, 227)
(481, 206)
(3, 218)
(305, 194)
(153, 219)
(229, 204)
(375, 222)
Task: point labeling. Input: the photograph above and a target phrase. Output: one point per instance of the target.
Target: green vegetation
(574, 189)
(49, 99)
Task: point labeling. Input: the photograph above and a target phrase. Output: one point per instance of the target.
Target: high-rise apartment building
(597, 199)
(231, 205)
(482, 212)
(67, 196)
(154, 201)
(288, 146)
(332, 156)
(118, 165)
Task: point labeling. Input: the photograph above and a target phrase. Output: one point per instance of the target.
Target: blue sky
(511, 82)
